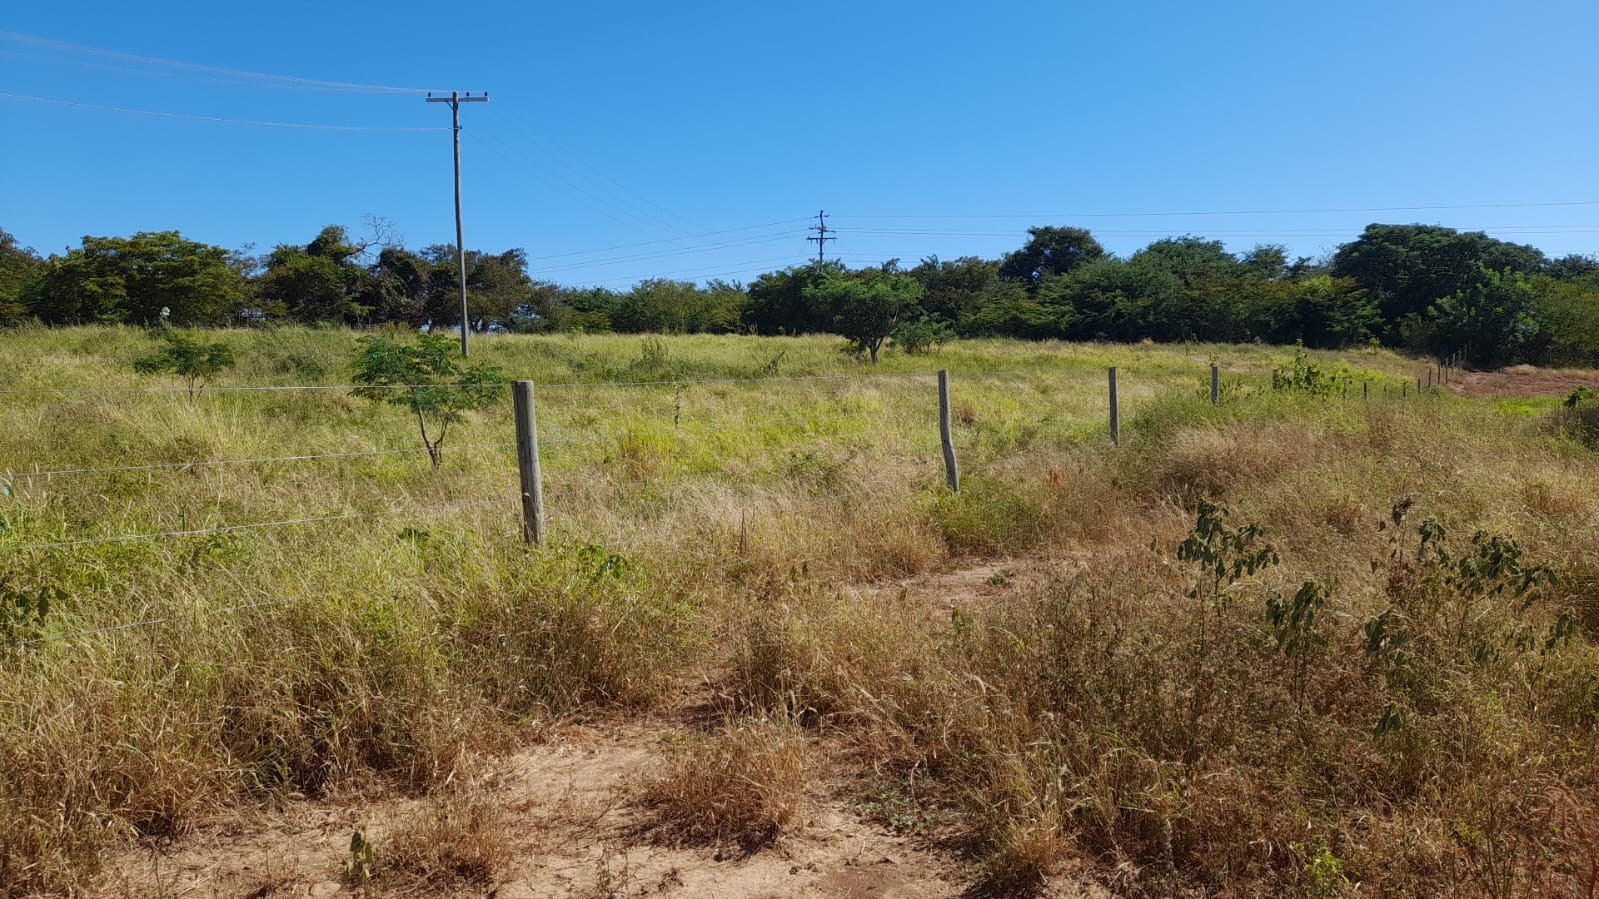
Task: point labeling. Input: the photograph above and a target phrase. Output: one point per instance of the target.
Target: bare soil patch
(577, 831)
(1521, 380)
(576, 825)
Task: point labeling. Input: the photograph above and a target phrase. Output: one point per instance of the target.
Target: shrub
(425, 377)
(186, 356)
(745, 785)
(988, 516)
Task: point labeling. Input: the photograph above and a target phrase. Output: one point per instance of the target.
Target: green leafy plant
(186, 356)
(923, 335)
(358, 868)
(1225, 554)
(1324, 871)
(425, 376)
(23, 610)
(1293, 625)
(1305, 376)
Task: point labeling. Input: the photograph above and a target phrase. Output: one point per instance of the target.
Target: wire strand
(282, 80)
(199, 463)
(213, 119)
(148, 622)
(229, 529)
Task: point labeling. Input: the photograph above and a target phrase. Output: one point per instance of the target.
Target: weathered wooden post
(1115, 412)
(527, 463)
(952, 471)
(1215, 385)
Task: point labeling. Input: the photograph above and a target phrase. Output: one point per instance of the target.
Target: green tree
(865, 311)
(1050, 251)
(1408, 268)
(954, 290)
(497, 284)
(132, 279)
(425, 376)
(1491, 320)
(1116, 299)
(679, 307)
(1568, 322)
(320, 282)
(20, 270)
(185, 355)
(778, 303)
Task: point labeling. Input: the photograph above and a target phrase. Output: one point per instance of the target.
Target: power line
(627, 196)
(206, 118)
(234, 528)
(1070, 215)
(915, 232)
(646, 243)
(523, 163)
(204, 463)
(279, 80)
(753, 266)
(746, 242)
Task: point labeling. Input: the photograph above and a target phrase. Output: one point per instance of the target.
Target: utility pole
(820, 236)
(455, 99)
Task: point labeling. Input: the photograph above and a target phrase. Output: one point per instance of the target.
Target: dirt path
(1522, 380)
(576, 833)
(573, 826)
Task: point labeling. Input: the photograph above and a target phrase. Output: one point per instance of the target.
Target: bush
(988, 516)
(745, 785)
(186, 356)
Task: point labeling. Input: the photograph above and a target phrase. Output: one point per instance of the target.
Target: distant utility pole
(455, 99)
(820, 236)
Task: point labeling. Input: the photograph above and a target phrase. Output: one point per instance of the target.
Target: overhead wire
(1325, 211)
(307, 126)
(669, 219)
(238, 74)
(525, 165)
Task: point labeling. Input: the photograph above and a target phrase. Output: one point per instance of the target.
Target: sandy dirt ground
(1521, 380)
(577, 828)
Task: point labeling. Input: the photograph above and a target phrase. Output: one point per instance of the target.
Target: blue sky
(629, 140)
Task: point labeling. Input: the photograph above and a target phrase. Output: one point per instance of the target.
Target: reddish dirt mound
(1522, 380)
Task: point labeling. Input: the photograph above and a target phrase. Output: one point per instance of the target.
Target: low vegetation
(1295, 643)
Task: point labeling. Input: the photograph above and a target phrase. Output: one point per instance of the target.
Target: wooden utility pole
(455, 99)
(820, 236)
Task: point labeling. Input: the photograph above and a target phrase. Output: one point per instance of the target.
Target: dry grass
(462, 838)
(744, 785)
(1432, 733)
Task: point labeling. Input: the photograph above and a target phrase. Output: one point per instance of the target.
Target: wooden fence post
(952, 471)
(1115, 412)
(527, 463)
(1215, 386)
(1365, 391)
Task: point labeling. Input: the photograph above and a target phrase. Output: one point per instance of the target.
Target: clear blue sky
(922, 128)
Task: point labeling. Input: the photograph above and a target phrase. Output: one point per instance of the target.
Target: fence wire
(232, 528)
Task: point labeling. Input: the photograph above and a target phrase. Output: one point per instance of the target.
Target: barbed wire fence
(529, 447)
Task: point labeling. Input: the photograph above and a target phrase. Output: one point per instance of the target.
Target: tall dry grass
(1101, 716)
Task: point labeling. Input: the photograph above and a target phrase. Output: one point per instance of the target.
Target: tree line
(1421, 288)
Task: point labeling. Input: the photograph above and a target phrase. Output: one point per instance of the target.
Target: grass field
(1386, 698)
